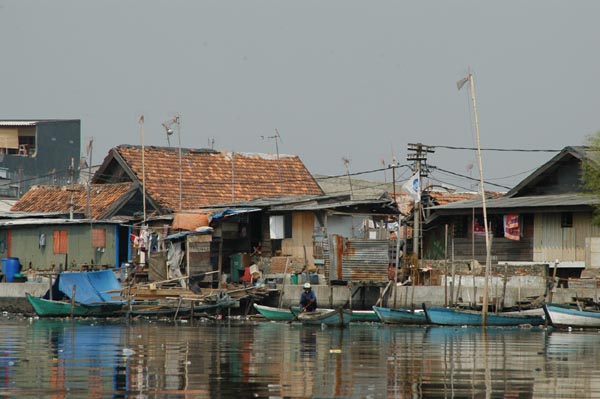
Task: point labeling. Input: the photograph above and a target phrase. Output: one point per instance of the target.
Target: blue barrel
(10, 267)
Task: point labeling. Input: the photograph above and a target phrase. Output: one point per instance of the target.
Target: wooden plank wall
(302, 236)
(551, 241)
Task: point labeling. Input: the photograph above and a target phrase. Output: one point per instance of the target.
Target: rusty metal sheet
(357, 260)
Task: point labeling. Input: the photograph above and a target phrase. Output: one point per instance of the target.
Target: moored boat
(332, 318)
(83, 294)
(465, 317)
(363, 316)
(287, 314)
(562, 316)
(400, 316)
(50, 308)
(276, 314)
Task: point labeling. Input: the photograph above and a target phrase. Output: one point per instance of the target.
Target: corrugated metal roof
(33, 222)
(18, 123)
(382, 206)
(523, 202)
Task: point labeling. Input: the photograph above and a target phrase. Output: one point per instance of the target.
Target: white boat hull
(561, 316)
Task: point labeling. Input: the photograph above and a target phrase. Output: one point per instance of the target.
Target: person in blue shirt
(308, 299)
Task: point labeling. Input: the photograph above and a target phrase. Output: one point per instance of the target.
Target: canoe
(463, 317)
(275, 314)
(50, 308)
(332, 318)
(562, 316)
(400, 316)
(287, 314)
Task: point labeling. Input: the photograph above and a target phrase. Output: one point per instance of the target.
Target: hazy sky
(338, 79)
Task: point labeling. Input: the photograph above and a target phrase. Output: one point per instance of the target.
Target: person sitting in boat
(308, 299)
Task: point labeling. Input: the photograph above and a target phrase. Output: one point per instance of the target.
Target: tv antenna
(346, 162)
(277, 139)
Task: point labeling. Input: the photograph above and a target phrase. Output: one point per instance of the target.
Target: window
(98, 238)
(287, 226)
(566, 220)
(59, 244)
(280, 226)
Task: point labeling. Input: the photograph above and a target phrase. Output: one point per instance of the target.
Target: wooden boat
(400, 316)
(287, 314)
(50, 308)
(275, 314)
(464, 317)
(364, 316)
(562, 316)
(332, 318)
(84, 294)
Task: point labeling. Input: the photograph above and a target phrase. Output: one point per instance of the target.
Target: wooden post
(505, 282)
(446, 267)
(73, 292)
(453, 276)
(220, 260)
(397, 259)
(50, 287)
(287, 259)
(553, 281)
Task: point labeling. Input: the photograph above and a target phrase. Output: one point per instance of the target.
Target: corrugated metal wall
(25, 245)
(551, 241)
(357, 259)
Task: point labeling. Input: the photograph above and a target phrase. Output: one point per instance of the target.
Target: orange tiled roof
(212, 177)
(54, 199)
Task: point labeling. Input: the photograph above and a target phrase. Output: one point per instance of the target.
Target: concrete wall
(12, 296)
(518, 290)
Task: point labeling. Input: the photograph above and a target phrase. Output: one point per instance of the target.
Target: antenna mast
(277, 138)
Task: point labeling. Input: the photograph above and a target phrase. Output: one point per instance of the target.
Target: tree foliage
(590, 172)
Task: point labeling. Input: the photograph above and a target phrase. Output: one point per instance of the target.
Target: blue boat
(400, 316)
(464, 317)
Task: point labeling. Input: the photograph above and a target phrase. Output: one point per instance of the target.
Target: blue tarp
(231, 212)
(90, 287)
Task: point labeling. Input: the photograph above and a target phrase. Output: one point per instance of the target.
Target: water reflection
(56, 358)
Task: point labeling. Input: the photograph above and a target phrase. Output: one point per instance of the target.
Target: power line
(448, 147)
(468, 177)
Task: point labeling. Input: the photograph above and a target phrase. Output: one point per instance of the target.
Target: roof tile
(211, 177)
(51, 199)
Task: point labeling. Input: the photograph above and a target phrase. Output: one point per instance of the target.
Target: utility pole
(418, 154)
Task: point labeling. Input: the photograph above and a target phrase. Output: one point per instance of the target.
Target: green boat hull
(49, 308)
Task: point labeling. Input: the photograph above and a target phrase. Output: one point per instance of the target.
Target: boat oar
(295, 318)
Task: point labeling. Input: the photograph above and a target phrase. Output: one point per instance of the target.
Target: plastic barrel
(10, 267)
(294, 279)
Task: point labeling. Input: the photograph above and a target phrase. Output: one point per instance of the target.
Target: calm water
(245, 359)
